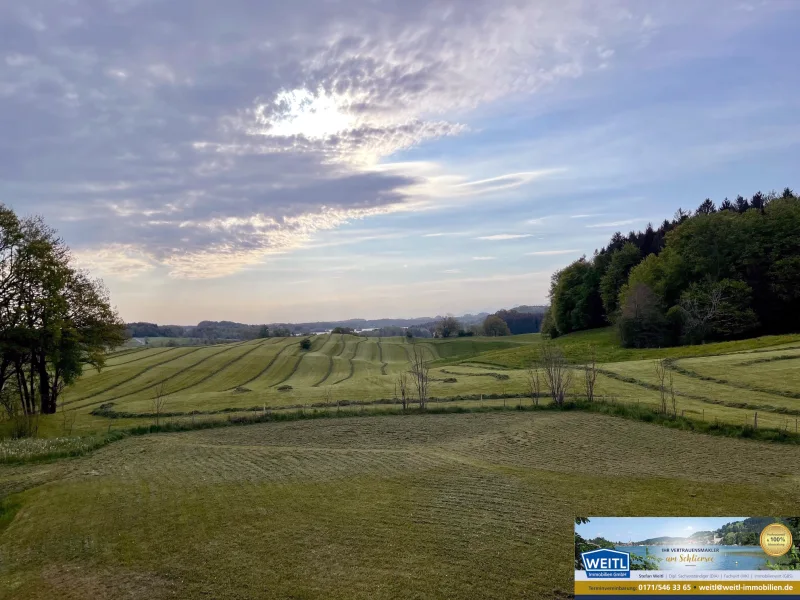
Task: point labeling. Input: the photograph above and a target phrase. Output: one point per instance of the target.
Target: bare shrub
(556, 371)
(159, 402)
(673, 395)
(420, 376)
(67, 420)
(534, 383)
(590, 376)
(403, 385)
(661, 375)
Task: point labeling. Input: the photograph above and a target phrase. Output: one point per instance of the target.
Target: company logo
(606, 563)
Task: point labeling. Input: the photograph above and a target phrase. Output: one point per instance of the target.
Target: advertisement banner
(687, 557)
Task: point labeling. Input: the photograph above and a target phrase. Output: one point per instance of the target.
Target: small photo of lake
(732, 558)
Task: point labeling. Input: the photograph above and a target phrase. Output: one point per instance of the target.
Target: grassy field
(476, 505)
(728, 382)
(421, 506)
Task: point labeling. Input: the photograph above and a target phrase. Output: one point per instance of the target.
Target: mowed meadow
(357, 503)
(728, 382)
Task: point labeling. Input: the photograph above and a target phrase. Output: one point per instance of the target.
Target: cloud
(445, 234)
(452, 271)
(483, 258)
(550, 252)
(538, 221)
(201, 137)
(126, 262)
(504, 236)
(615, 223)
(508, 181)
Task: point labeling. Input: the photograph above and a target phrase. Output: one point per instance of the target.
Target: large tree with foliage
(616, 275)
(575, 297)
(54, 319)
(448, 326)
(495, 326)
(719, 274)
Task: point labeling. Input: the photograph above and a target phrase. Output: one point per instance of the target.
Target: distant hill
(739, 533)
(530, 309)
(230, 330)
(698, 537)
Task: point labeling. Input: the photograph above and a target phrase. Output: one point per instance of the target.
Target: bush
(285, 388)
(306, 344)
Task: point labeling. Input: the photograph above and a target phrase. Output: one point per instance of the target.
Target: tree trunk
(48, 405)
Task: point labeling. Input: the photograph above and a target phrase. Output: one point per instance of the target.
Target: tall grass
(37, 449)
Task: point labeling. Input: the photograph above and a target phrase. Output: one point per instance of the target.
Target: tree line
(54, 318)
(717, 274)
(501, 323)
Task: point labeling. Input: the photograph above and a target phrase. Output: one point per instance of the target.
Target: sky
(263, 161)
(637, 529)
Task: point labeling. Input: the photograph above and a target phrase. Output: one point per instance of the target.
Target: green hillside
(341, 370)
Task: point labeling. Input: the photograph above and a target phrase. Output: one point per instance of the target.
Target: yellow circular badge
(776, 539)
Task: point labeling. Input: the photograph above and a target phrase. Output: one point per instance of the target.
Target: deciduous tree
(495, 326)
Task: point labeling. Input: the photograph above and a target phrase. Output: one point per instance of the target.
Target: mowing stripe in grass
(352, 364)
(430, 348)
(625, 411)
(131, 378)
(222, 368)
(406, 350)
(779, 410)
(265, 369)
(330, 368)
(109, 412)
(126, 352)
(673, 364)
(127, 362)
(173, 376)
(483, 364)
(380, 358)
(341, 350)
(758, 361)
(292, 372)
(501, 376)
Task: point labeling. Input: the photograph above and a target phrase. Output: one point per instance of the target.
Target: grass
(36, 449)
(473, 499)
(227, 378)
(578, 348)
(775, 373)
(421, 506)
